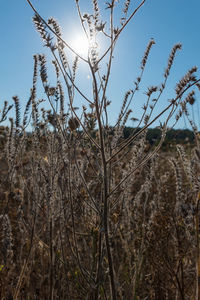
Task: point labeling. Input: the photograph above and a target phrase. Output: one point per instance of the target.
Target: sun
(80, 45)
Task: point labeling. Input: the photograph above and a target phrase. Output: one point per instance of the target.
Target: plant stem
(197, 250)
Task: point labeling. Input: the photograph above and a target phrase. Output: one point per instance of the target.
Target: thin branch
(121, 29)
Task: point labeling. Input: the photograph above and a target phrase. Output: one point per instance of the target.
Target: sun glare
(80, 45)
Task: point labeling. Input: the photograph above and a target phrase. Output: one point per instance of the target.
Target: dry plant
(86, 213)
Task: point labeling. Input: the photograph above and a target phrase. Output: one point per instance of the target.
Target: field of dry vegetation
(52, 234)
(87, 212)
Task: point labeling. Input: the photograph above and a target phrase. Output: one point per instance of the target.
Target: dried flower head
(73, 124)
(190, 98)
(55, 25)
(17, 111)
(187, 79)
(171, 58)
(146, 54)
(43, 69)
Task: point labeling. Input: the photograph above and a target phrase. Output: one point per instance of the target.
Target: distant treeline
(173, 136)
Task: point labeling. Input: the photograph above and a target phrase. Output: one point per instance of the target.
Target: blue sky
(168, 22)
